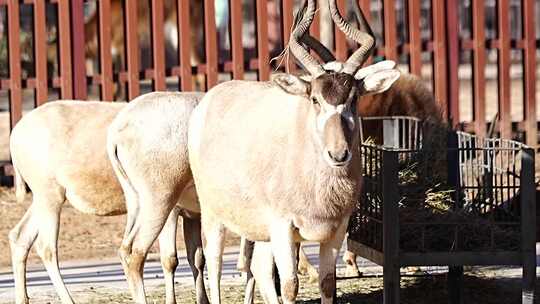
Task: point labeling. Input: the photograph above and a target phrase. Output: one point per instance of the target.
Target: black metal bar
(390, 227)
(455, 285)
(455, 273)
(454, 258)
(528, 225)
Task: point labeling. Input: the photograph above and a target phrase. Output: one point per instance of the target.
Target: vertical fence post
(158, 45)
(211, 43)
(415, 38)
(391, 276)
(341, 40)
(40, 46)
(479, 63)
(184, 48)
(262, 40)
(531, 127)
(365, 7)
(132, 49)
(455, 273)
(236, 35)
(528, 225)
(105, 55)
(64, 33)
(78, 47)
(390, 34)
(439, 54)
(452, 55)
(15, 90)
(503, 18)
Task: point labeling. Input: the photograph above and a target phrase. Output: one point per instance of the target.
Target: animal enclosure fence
(452, 199)
(460, 47)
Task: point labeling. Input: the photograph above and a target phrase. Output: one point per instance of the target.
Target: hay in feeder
(432, 216)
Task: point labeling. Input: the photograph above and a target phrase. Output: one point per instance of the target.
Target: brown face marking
(334, 88)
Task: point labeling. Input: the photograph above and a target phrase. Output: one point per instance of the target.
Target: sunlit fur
(60, 151)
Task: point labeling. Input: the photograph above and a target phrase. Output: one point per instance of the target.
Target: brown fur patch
(334, 87)
(328, 285)
(46, 254)
(289, 290)
(169, 264)
(136, 262)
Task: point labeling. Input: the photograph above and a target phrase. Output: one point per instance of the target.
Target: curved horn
(319, 48)
(311, 65)
(365, 39)
(324, 53)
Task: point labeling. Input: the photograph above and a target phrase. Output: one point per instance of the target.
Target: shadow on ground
(478, 289)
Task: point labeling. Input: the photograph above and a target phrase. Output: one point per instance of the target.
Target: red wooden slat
(439, 55)
(158, 45)
(415, 39)
(79, 60)
(529, 69)
(236, 35)
(262, 40)
(452, 32)
(132, 49)
(211, 43)
(184, 49)
(505, 125)
(390, 35)
(40, 44)
(64, 31)
(105, 56)
(341, 40)
(15, 94)
(365, 6)
(315, 29)
(479, 63)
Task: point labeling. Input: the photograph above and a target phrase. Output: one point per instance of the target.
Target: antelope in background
(75, 167)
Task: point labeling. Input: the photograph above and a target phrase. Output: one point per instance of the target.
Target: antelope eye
(314, 100)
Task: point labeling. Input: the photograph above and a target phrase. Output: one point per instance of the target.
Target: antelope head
(333, 89)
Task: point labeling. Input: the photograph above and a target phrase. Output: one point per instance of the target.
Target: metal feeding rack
(434, 197)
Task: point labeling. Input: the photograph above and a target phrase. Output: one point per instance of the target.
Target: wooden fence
(448, 55)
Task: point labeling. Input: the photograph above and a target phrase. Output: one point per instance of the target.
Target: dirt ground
(479, 288)
(82, 236)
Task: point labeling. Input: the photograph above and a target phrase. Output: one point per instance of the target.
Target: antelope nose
(339, 156)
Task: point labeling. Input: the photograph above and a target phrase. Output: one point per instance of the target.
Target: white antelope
(408, 96)
(59, 150)
(147, 145)
(279, 162)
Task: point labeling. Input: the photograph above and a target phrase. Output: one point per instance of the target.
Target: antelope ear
(380, 81)
(374, 68)
(292, 84)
